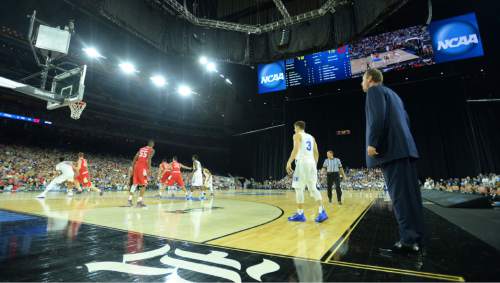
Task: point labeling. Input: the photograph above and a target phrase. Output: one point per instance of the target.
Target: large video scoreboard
(318, 68)
(442, 41)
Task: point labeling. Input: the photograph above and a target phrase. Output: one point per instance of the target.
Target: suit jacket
(387, 127)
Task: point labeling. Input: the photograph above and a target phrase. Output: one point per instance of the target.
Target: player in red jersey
(164, 174)
(176, 176)
(83, 177)
(142, 168)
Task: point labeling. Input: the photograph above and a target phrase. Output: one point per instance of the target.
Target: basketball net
(77, 109)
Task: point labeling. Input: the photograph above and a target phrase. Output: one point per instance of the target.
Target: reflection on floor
(449, 249)
(307, 240)
(242, 236)
(226, 220)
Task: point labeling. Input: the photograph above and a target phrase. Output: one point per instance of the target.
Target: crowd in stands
(31, 168)
(484, 184)
(356, 179)
(364, 179)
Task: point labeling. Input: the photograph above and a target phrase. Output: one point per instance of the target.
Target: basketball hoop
(77, 109)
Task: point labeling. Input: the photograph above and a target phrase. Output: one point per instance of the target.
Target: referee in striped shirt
(333, 167)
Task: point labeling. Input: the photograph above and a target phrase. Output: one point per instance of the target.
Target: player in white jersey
(67, 175)
(197, 180)
(305, 153)
(209, 183)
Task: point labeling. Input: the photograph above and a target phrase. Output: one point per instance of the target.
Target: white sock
(300, 211)
(130, 197)
(140, 199)
(320, 209)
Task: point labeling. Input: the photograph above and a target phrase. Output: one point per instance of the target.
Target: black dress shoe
(399, 248)
(412, 261)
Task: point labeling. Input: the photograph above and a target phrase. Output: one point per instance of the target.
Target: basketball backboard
(67, 87)
(70, 85)
(52, 44)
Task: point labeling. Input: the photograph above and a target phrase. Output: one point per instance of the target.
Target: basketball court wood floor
(239, 235)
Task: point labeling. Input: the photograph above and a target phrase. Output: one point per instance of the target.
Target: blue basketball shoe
(321, 217)
(297, 217)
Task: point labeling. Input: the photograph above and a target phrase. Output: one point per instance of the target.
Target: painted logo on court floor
(215, 263)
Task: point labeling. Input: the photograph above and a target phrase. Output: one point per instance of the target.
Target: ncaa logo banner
(271, 77)
(456, 38)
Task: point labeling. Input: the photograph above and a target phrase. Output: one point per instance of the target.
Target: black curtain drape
(454, 138)
(485, 125)
(260, 155)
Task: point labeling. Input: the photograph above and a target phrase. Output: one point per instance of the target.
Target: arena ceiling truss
(286, 21)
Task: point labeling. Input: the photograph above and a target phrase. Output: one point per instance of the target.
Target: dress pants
(402, 183)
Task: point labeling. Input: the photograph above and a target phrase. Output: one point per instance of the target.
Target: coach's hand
(371, 151)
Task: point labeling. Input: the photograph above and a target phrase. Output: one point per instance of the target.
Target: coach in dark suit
(390, 145)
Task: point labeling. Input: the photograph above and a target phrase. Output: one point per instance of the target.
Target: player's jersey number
(143, 153)
(309, 145)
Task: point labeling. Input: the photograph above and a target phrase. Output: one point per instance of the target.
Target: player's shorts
(164, 178)
(64, 178)
(83, 179)
(175, 178)
(140, 176)
(210, 187)
(305, 175)
(197, 180)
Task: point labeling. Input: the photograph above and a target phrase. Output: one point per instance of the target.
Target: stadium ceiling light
(92, 53)
(184, 90)
(128, 68)
(211, 67)
(203, 60)
(158, 80)
(229, 81)
(221, 75)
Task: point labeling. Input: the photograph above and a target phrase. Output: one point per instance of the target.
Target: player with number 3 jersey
(305, 154)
